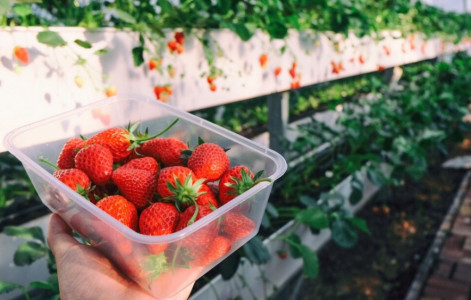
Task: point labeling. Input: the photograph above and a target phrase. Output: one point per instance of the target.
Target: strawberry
(179, 185)
(213, 87)
(166, 150)
(171, 72)
(190, 215)
(263, 59)
(386, 50)
(147, 163)
(277, 71)
(21, 54)
(179, 37)
(172, 46)
(66, 159)
(218, 247)
(292, 71)
(295, 84)
(282, 254)
(154, 64)
(111, 91)
(138, 186)
(180, 49)
(159, 219)
(73, 178)
(210, 79)
(381, 68)
(361, 59)
(208, 161)
(97, 162)
(117, 139)
(121, 142)
(206, 197)
(237, 180)
(121, 209)
(78, 81)
(204, 235)
(168, 177)
(237, 226)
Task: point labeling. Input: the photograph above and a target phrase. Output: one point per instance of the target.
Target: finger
(59, 236)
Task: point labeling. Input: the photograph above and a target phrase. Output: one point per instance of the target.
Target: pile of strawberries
(158, 185)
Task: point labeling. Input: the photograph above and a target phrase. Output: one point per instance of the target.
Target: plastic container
(165, 273)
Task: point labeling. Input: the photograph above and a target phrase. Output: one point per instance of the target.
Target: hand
(85, 273)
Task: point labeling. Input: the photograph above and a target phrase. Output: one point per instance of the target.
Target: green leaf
(430, 134)
(299, 250)
(308, 201)
(166, 7)
(101, 51)
(310, 262)
(360, 224)
(22, 10)
(83, 44)
(29, 252)
(138, 55)
(277, 29)
(256, 251)
(228, 267)
(43, 285)
(6, 287)
(357, 189)
(313, 217)
(23, 232)
(343, 234)
(123, 16)
(243, 31)
(51, 38)
(294, 241)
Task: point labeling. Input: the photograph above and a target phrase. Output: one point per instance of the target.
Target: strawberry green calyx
(136, 139)
(246, 182)
(185, 194)
(154, 265)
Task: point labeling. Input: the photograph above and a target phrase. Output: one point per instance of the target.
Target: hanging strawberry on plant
(21, 54)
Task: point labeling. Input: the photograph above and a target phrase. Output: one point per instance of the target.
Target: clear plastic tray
(163, 274)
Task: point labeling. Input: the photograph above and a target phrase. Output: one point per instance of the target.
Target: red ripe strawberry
(153, 64)
(218, 247)
(138, 186)
(237, 226)
(188, 217)
(263, 59)
(237, 180)
(121, 209)
(116, 139)
(213, 87)
(122, 141)
(172, 46)
(208, 161)
(97, 162)
(169, 175)
(361, 59)
(147, 163)
(179, 37)
(277, 71)
(159, 219)
(73, 178)
(207, 197)
(204, 235)
(166, 150)
(21, 54)
(111, 91)
(210, 79)
(66, 159)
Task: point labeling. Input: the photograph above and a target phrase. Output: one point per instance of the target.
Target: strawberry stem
(47, 162)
